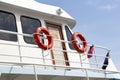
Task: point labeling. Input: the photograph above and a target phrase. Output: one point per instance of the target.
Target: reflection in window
(8, 23)
(28, 27)
(69, 35)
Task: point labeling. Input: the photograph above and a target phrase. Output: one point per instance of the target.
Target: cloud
(107, 7)
(89, 3)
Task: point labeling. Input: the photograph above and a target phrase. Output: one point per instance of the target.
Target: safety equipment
(90, 51)
(77, 45)
(38, 39)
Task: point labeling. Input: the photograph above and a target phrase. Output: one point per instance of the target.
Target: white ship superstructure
(37, 43)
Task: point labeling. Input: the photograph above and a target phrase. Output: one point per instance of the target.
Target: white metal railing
(31, 35)
(4, 31)
(50, 49)
(60, 66)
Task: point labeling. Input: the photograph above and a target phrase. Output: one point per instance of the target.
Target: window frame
(15, 26)
(69, 44)
(29, 17)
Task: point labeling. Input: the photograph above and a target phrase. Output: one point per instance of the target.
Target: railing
(35, 68)
(53, 50)
(64, 67)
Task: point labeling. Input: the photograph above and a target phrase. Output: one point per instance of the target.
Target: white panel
(78, 60)
(31, 55)
(47, 57)
(84, 60)
(74, 60)
(9, 53)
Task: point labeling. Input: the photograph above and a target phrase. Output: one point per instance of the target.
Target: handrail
(61, 66)
(42, 36)
(35, 46)
(50, 59)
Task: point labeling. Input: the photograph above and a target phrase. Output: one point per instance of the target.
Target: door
(59, 57)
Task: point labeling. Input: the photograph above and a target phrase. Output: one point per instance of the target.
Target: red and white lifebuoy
(75, 43)
(38, 39)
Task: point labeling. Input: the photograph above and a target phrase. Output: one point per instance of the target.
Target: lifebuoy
(75, 43)
(38, 39)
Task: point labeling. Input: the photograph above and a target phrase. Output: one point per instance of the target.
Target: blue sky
(97, 20)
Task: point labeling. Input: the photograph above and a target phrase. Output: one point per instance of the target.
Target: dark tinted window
(28, 27)
(8, 23)
(69, 35)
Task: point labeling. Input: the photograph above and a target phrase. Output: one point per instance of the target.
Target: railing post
(20, 55)
(96, 60)
(11, 69)
(87, 77)
(36, 76)
(80, 60)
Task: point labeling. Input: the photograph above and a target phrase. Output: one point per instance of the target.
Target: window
(28, 27)
(69, 35)
(7, 23)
